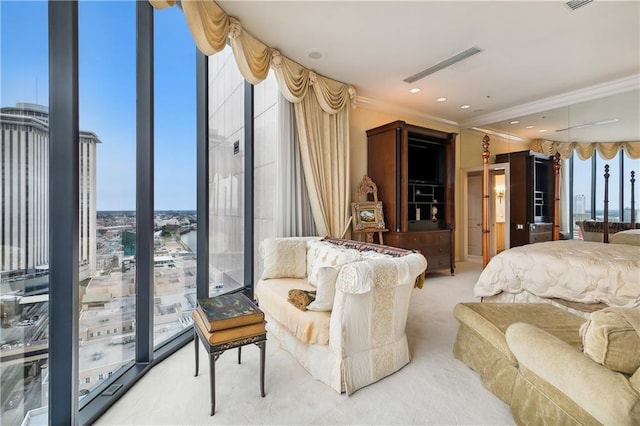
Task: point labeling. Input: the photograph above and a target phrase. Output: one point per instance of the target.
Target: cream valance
(607, 150)
(210, 27)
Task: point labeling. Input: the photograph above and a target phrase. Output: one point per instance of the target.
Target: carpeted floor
(434, 388)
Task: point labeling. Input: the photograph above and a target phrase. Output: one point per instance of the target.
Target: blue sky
(107, 92)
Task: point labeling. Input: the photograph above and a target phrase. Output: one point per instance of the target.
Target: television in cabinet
(414, 168)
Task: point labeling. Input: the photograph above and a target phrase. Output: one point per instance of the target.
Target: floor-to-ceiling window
(588, 188)
(24, 209)
(266, 113)
(226, 173)
(107, 103)
(175, 175)
(108, 265)
(630, 165)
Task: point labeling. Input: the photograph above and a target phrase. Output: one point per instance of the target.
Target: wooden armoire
(531, 195)
(414, 168)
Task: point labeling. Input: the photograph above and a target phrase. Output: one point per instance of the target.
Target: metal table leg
(195, 342)
(263, 348)
(212, 379)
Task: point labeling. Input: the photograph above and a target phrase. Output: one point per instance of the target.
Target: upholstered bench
(481, 342)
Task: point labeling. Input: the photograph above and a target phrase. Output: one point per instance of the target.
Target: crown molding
(376, 105)
(597, 91)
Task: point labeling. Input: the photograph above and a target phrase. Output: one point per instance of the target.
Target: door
(474, 214)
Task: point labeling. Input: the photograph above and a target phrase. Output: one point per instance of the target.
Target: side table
(217, 349)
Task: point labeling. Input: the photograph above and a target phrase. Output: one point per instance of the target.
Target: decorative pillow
(284, 258)
(631, 237)
(320, 254)
(325, 288)
(611, 339)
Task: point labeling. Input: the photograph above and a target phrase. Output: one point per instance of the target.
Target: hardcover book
(228, 311)
(229, 334)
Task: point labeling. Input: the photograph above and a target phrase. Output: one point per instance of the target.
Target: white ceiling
(533, 53)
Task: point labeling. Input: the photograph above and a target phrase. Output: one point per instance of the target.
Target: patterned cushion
(321, 254)
(284, 258)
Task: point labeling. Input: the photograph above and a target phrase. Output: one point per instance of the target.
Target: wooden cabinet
(531, 195)
(414, 169)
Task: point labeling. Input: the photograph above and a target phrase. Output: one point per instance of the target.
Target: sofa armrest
(372, 301)
(363, 276)
(607, 395)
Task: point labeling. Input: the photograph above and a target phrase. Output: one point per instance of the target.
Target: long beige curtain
(322, 114)
(325, 158)
(607, 150)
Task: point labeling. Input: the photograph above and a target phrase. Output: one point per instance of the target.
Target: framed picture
(367, 215)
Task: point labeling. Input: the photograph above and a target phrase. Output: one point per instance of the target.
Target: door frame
(465, 207)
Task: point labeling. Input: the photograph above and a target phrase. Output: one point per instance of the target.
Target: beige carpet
(434, 388)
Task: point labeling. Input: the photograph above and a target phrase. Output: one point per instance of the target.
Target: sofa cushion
(309, 327)
(491, 320)
(284, 257)
(325, 288)
(321, 254)
(610, 339)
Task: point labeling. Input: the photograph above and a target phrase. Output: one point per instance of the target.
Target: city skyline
(107, 94)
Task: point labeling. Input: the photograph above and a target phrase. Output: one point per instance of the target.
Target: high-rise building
(24, 188)
(579, 204)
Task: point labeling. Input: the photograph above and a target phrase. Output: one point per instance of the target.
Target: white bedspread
(579, 271)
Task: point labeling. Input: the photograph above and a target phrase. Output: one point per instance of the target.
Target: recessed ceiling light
(542, 130)
(316, 54)
(441, 99)
(465, 106)
(415, 90)
(514, 122)
(529, 127)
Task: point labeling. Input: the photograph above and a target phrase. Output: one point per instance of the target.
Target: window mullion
(202, 149)
(144, 183)
(63, 212)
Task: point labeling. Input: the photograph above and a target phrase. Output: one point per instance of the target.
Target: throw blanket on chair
(301, 298)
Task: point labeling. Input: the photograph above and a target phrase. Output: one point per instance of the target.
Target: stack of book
(228, 317)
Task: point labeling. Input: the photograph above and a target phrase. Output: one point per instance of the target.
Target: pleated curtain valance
(607, 150)
(210, 27)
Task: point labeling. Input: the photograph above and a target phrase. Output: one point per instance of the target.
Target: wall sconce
(499, 193)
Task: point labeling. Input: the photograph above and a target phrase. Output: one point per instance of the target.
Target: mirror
(614, 118)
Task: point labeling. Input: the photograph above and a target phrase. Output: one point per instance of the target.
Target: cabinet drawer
(437, 249)
(540, 237)
(540, 228)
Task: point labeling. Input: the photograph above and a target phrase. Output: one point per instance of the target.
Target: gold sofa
(533, 357)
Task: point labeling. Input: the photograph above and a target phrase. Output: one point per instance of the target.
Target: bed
(590, 273)
(580, 276)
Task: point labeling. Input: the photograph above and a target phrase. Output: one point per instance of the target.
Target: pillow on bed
(631, 237)
(611, 338)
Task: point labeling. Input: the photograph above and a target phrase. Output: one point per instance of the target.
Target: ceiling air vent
(574, 4)
(444, 64)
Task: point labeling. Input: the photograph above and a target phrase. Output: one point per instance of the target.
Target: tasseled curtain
(324, 144)
(607, 150)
